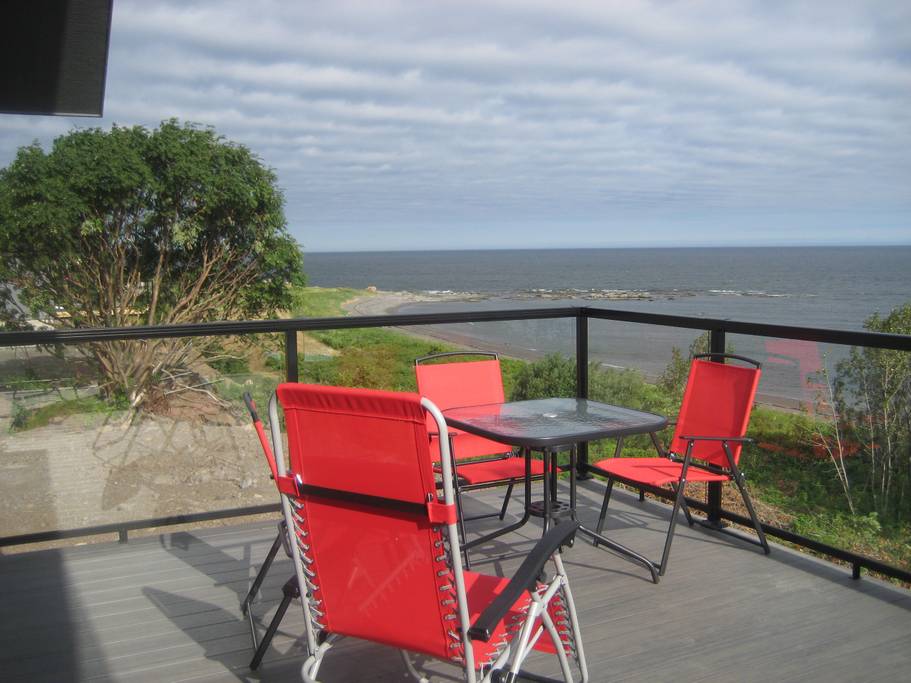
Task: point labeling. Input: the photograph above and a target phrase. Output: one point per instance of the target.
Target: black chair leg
(290, 591)
(738, 478)
(261, 575)
(506, 501)
(686, 508)
(678, 500)
(601, 517)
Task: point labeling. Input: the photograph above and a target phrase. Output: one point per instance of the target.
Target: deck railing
(717, 329)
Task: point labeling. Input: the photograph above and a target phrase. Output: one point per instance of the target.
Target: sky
(537, 124)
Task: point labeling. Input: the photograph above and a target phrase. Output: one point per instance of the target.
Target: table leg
(573, 457)
(548, 488)
(554, 473)
(526, 453)
(525, 517)
(621, 550)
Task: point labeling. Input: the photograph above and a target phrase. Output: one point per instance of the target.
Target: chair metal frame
(688, 464)
(505, 666)
(290, 590)
(459, 463)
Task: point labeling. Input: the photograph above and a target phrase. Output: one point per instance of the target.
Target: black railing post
(291, 370)
(582, 384)
(713, 517)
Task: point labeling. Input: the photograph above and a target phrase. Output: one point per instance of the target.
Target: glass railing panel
(639, 366)
(83, 446)
(832, 441)
(383, 358)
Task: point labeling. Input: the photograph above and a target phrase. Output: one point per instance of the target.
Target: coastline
(389, 303)
(381, 302)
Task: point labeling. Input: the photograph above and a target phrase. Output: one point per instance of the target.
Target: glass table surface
(552, 422)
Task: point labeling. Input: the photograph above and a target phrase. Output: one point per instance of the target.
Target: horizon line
(807, 245)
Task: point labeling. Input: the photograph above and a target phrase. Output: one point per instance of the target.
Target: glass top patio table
(549, 425)
(552, 422)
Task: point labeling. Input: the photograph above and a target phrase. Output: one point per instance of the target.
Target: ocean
(827, 287)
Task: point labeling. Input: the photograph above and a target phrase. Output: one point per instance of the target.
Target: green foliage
(321, 302)
(135, 208)
(128, 226)
(787, 431)
(32, 418)
(629, 388)
(275, 360)
(873, 396)
(260, 386)
(555, 375)
(673, 379)
(373, 358)
(230, 365)
(853, 532)
(371, 368)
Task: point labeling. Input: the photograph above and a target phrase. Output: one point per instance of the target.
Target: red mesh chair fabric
(377, 438)
(481, 590)
(717, 402)
(497, 470)
(461, 384)
(452, 385)
(372, 567)
(655, 471)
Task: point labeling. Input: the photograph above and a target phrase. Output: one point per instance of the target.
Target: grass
(32, 418)
(322, 302)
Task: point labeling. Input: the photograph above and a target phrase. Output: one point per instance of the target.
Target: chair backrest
(717, 402)
(376, 565)
(454, 385)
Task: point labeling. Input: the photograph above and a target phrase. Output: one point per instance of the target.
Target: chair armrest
(523, 580)
(452, 432)
(737, 439)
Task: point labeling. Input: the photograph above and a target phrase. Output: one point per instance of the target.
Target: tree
(673, 378)
(131, 226)
(873, 395)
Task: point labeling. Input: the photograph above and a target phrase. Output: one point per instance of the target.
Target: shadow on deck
(167, 608)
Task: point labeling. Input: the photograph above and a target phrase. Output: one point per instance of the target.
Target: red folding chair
(378, 551)
(479, 463)
(706, 445)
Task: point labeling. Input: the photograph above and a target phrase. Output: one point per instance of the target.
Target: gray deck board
(166, 608)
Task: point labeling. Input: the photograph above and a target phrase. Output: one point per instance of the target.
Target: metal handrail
(879, 340)
(581, 314)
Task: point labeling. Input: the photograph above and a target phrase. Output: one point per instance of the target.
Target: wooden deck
(166, 608)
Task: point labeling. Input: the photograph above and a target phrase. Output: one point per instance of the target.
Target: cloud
(536, 117)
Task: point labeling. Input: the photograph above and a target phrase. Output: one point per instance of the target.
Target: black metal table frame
(549, 447)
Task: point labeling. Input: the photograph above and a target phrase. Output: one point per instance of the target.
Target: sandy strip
(388, 303)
